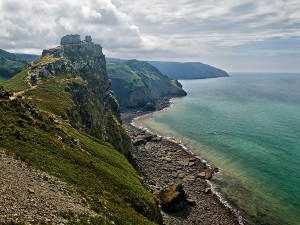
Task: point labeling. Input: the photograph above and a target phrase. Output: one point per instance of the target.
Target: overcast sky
(234, 35)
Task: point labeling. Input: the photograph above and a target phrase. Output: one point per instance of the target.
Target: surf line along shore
(179, 178)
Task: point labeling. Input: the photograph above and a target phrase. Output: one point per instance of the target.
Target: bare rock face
(71, 39)
(95, 110)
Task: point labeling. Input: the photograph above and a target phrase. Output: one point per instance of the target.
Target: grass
(93, 168)
(45, 60)
(2, 79)
(123, 72)
(17, 83)
(53, 96)
(107, 182)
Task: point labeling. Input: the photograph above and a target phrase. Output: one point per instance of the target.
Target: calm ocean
(248, 125)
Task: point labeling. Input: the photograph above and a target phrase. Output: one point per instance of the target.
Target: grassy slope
(17, 83)
(10, 64)
(96, 170)
(121, 71)
(137, 83)
(135, 72)
(2, 80)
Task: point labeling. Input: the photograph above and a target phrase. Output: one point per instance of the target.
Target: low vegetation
(18, 82)
(10, 64)
(94, 168)
(36, 127)
(137, 83)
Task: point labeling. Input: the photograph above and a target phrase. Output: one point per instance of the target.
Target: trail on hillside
(28, 195)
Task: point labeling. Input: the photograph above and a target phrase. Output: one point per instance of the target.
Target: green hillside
(137, 83)
(188, 70)
(10, 64)
(62, 119)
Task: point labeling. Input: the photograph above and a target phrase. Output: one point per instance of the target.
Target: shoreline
(164, 161)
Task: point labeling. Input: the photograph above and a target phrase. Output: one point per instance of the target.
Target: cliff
(61, 117)
(183, 70)
(188, 70)
(138, 84)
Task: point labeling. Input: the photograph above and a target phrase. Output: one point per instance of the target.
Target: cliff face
(59, 116)
(183, 70)
(188, 70)
(137, 83)
(95, 109)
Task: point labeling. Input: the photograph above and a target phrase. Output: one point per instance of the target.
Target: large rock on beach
(172, 198)
(144, 137)
(208, 173)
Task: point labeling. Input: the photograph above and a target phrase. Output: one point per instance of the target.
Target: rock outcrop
(88, 39)
(95, 109)
(173, 198)
(63, 119)
(71, 39)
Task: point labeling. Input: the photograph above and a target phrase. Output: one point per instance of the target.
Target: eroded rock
(172, 198)
(208, 173)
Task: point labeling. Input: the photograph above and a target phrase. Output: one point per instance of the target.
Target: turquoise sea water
(248, 125)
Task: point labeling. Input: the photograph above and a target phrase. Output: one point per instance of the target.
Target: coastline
(163, 162)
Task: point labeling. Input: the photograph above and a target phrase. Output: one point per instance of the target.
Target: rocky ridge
(95, 109)
(59, 116)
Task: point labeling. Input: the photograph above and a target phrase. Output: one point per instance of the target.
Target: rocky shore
(178, 178)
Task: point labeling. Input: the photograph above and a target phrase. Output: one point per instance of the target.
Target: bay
(248, 125)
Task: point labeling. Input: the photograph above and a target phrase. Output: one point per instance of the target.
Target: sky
(234, 35)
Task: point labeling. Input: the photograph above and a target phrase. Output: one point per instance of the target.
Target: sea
(247, 125)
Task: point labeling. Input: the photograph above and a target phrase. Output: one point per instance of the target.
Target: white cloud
(151, 29)
(40, 24)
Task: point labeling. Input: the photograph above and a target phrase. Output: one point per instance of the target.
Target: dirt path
(28, 195)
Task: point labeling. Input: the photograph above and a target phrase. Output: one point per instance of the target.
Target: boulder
(138, 142)
(172, 199)
(190, 201)
(168, 159)
(156, 139)
(201, 174)
(184, 162)
(146, 137)
(30, 190)
(174, 174)
(207, 190)
(189, 178)
(208, 173)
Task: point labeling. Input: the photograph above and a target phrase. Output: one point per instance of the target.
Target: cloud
(39, 24)
(153, 29)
